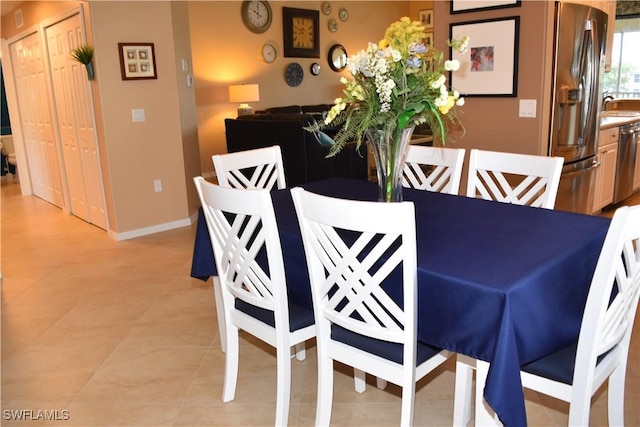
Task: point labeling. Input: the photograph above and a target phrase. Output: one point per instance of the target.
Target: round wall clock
(315, 68)
(256, 15)
(268, 53)
(294, 74)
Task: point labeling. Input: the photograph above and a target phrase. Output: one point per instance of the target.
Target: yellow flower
(451, 101)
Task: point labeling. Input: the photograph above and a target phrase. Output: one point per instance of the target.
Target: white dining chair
(433, 168)
(258, 168)
(575, 373)
(248, 256)
(355, 256)
(520, 179)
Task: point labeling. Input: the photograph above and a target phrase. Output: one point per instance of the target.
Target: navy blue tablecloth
(502, 283)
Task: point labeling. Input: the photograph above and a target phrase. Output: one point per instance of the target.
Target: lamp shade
(244, 93)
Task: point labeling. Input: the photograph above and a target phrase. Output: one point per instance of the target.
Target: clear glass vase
(390, 151)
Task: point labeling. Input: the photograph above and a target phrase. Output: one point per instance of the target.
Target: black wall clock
(301, 33)
(294, 74)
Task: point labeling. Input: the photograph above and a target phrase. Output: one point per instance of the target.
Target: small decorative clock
(332, 25)
(268, 53)
(315, 68)
(256, 15)
(344, 15)
(301, 33)
(326, 8)
(294, 74)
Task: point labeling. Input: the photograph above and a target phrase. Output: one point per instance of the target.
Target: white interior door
(38, 132)
(72, 95)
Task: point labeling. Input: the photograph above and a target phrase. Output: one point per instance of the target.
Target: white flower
(460, 102)
(452, 65)
(439, 82)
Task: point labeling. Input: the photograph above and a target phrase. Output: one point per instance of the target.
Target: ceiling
(8, 6)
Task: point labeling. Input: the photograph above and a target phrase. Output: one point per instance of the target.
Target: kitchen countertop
(616, 118)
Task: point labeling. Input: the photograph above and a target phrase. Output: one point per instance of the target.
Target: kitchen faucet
(605, 101)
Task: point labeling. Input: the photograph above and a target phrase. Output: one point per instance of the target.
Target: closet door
(36, 118)
(72, 94)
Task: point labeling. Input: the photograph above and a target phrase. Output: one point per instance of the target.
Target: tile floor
(109, 333)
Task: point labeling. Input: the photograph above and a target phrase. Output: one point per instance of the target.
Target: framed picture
(426, 18)
(301, 33)
(461, 6)
(428, 39)
(137, 61)
(490, 65)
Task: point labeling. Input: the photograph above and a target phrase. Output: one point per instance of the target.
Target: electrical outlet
(157, 185)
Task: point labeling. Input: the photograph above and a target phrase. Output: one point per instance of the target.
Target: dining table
(502, 283)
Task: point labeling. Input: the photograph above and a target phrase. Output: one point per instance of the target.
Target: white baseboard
(186, 222)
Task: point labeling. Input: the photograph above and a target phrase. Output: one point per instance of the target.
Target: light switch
(528, 108)
(137, 115)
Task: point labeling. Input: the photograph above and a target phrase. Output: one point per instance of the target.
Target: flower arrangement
(398, 83)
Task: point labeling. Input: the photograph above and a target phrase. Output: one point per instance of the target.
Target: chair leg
(485, 416)
(283, 388)
(408, 400)
(325, 390)
(217, 295)
(616, 395)
(301, 352)
(360, 380)
(231, 364)
(463, 391)
(380, 383)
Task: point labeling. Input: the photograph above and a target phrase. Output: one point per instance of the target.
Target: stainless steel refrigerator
(580, 33)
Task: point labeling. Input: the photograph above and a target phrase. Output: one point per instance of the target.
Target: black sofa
(303, 156)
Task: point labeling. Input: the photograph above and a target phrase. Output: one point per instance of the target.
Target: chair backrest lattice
(519, 179)
(251, 169)
(613, 296)
(245, 238)
(352, 249)
(435, 169)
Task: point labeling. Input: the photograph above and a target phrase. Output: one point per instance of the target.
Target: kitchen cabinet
(610, 8)
(606, 173)
(636, 173)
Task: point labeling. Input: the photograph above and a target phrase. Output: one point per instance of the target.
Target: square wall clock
(301, 33)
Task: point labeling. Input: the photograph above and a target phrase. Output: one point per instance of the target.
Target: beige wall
(492, 122)
(163, 147)
(221, 51)
(225, 52)
(140, 152)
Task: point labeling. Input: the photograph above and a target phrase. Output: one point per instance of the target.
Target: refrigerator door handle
(596, 163)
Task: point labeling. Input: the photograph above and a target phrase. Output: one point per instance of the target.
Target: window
(624, 79)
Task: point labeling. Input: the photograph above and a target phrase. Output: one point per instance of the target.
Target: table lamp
(244, 94)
